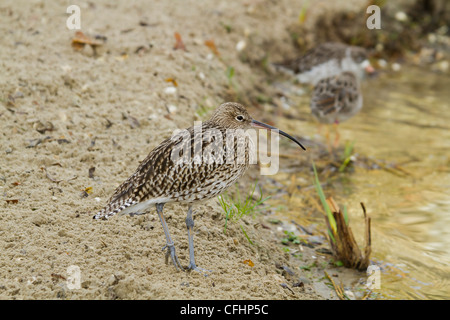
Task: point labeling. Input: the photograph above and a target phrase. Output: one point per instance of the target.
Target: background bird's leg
(337, 135)
(169, 243)
(327, 137)
(190, 231)
(319, 129)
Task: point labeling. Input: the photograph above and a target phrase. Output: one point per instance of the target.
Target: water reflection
(405, 120)
(409, 123)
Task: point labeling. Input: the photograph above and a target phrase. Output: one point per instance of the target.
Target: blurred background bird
(335, 70)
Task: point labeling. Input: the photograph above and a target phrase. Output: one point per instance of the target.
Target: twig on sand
(339, 289)
(54, 180)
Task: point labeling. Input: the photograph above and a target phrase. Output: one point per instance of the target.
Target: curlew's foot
(193, 267)
(171, 252)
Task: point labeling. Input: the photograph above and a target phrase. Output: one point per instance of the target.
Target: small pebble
(401, 16)
(442, 66)
(382, 63)
(241, 45)
(432, 38)
(350, 294)
(396, 67)
(172, 108)
(170, 90)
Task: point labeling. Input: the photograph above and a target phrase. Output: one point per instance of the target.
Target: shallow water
(405, 120)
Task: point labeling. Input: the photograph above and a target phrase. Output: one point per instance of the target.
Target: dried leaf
(82, 39)
(179, 43)
(85, 193)
(77, 46)
(12, 201)
(210, 44)
(174, 82)
(249, 262)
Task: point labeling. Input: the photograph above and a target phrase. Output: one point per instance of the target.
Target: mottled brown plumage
(337, 98)
(193, 165)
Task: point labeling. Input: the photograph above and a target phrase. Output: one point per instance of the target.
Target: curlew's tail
(113, 208)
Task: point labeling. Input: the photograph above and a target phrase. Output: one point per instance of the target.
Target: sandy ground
(64, 112)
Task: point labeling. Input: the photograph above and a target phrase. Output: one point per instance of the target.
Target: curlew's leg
(190, 230)
(169, 243)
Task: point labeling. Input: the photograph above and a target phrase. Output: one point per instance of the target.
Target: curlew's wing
(336, 97)
(135, 188)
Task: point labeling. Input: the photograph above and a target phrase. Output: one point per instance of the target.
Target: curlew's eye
(240, 118)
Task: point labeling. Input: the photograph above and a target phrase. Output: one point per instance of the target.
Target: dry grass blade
(54, 180)
(367, 295)
(368, 236)
(339, 289)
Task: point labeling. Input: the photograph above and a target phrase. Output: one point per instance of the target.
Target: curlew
(180, 170)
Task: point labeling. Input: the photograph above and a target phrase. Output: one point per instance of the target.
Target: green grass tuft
(347, 155)
(327, 209)
(235, 206)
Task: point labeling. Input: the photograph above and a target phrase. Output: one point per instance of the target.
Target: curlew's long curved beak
(261, 125)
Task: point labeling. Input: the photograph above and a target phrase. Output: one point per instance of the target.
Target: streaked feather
(335, 99)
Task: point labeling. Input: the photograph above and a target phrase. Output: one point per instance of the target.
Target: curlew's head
(232, 115)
